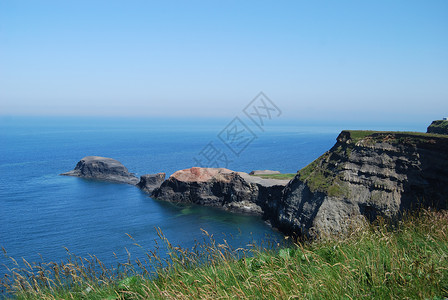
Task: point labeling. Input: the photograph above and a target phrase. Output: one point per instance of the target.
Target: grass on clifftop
(440, 123)
(405, 261)
(357, 135)
(286, 176)
(439, 126)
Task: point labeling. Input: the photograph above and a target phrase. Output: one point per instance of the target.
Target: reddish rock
(196, 174)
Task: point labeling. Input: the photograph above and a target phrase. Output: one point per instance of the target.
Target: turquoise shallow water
(42, 212)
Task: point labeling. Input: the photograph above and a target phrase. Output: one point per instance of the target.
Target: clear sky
(342, 60)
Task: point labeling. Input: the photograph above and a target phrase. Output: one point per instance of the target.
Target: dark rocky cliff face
(364, 175)
(149, 182)
(219, 187)
(438, 126)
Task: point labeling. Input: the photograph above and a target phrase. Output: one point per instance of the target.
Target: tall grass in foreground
(407, 260)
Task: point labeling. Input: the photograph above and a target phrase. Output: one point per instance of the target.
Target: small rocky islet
(366, 174)
(102, 168)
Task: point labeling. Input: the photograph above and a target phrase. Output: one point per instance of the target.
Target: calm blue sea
(42, 212)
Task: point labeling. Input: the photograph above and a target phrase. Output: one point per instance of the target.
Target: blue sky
(333, 60)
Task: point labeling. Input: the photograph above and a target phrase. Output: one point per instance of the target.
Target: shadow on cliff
(298, 207)
(427, 184)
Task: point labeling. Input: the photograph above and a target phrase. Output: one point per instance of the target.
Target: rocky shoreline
(364, 175)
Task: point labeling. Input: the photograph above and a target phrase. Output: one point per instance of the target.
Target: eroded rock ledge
(264, 172)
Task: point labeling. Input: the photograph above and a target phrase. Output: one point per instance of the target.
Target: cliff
(438, 126)
(366, 174)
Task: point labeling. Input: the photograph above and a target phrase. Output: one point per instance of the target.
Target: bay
(42, 212)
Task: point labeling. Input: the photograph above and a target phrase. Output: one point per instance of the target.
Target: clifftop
(438, 126)
(354, 136)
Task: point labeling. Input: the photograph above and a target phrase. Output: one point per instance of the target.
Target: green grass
(286, 176)
(320, 177)
(440, 123)
(439, 126)
(406, 261)
(357, 135)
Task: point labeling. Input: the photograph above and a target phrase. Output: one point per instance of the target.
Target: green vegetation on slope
(439, 126)
(405, 261)
(321, 174)
(317, 177)
(286, 176)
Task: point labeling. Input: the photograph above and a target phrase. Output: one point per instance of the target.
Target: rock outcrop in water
(219, 187)
(149, 182)
(438, 126)
(102, 168)
(365, 175)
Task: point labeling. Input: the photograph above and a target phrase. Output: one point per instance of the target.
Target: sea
(42, 213)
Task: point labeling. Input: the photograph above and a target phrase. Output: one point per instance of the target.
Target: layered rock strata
(365, 175)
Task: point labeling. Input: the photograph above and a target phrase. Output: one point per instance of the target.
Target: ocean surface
(42, 212)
